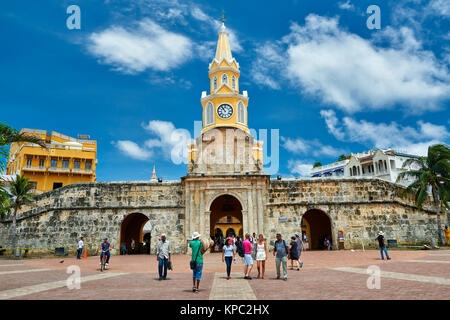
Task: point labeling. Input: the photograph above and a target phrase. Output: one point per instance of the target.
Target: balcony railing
(56, 169)
(86, 171)
(34, 168)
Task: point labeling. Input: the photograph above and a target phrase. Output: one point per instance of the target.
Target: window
(76, 164)
(65, 164)
(233, 82)
(57, 185)
(33, 184)
(88, 165)
(54, 163)
(224, 79)
(229, 219)
(29, 162)
(41, 163)
(241, 115)
(215, 82)
(209, 113)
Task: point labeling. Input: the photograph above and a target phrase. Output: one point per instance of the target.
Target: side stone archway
(317, 225)
(132, 229)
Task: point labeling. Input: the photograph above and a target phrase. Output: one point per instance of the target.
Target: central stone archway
(226, 216)
(132, 229)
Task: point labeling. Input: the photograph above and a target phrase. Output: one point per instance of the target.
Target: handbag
(194, 262)
(169, 265)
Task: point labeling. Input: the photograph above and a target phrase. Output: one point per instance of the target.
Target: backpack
(240, 249)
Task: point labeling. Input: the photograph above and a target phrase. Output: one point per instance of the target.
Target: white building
(383, 164)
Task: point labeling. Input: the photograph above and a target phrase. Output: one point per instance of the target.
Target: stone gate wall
(360, 207)
(95, 210)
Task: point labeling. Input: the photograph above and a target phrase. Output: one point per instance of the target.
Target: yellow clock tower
(224, 106)
(225, 145)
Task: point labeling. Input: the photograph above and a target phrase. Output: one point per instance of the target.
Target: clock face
(225, 111)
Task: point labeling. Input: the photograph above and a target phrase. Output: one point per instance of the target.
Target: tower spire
(223, 50)
(154, 174)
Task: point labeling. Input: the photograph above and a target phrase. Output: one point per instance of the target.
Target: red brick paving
(314, 281)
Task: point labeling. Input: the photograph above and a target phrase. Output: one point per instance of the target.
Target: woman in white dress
(261, 256)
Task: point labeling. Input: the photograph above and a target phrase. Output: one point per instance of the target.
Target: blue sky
(134, 73)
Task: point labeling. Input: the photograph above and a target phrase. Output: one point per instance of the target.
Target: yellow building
(67, 160)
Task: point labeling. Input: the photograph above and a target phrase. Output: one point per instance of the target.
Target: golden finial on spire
(222, 17)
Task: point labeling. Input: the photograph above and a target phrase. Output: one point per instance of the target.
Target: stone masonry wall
(96, 210)
(361, 207)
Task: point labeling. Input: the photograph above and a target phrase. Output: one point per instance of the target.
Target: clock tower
(224, 106)
(225, 146)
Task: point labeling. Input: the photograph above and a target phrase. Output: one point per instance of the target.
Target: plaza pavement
(325, 275)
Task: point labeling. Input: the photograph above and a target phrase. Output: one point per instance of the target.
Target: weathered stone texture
(360, 207)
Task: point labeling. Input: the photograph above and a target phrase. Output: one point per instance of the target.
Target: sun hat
(381, 233)
(297, 234)
(195, 235)
(163, 235)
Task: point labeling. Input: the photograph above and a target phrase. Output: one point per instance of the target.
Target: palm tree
(4, 203)
(20, 193)
(428, 172)
(10, 135)
(317, 164)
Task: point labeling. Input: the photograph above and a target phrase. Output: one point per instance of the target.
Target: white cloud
(354, 74)
(346, 5)
(132, 150)
(146, 45)
(300, 167)
(310, 147)
(168, 143)
(215, 25)
(386, 135)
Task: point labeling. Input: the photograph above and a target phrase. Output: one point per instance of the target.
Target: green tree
(19, 191)
(430, 172)
(5, 207)
(317, 164)
(342, 157)
(9, 135)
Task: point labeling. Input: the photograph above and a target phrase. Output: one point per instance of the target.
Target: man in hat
(197, 257)
(163, 256)
(382, 246)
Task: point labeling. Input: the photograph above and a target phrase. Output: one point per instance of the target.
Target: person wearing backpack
(196, 260)
(281, 253)
(239, 247)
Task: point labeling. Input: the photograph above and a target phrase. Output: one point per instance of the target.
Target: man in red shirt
(247, 256)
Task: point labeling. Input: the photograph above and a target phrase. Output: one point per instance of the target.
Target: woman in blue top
(228, 256)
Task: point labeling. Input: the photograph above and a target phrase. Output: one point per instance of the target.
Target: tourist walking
(80, 248)
(447, 235)
(163, 257)
(124, 249)
(196, 260)
(382, 245)
(300, 247)
(261, 256)
(281, 253)
(228, 254)
(293, 253)
(248, 260)
(133, 245)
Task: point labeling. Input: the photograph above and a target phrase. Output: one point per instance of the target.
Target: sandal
(196, 290)
(193, 289)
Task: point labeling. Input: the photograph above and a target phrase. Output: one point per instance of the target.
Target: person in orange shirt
(447, 235)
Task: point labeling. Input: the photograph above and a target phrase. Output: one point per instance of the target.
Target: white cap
(195, 235)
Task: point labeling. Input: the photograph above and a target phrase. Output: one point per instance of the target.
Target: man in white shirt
(80, 248)
(163, 257)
